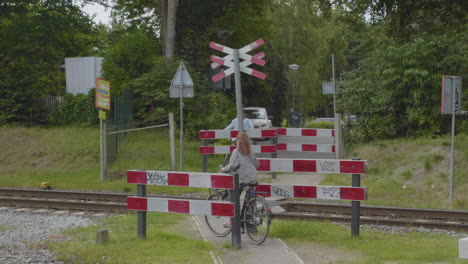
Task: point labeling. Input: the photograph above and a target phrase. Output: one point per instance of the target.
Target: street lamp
(294, 68)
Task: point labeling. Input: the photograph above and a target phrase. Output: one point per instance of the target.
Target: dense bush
(76, 110)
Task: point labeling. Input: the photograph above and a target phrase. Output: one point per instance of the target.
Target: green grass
(160, 246)
(402, 172)
(412, 172)
(374, 246)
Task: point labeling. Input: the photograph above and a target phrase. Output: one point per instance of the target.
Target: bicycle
(255, 215)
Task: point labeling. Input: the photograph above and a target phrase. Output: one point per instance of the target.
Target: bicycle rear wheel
(219, 225)
(257, 219)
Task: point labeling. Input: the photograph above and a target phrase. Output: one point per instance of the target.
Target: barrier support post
(274, 141)
(205, 157)
(355, 207)
(141, 192)
(235, 221)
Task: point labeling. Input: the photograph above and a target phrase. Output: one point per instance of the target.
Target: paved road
(272, 251)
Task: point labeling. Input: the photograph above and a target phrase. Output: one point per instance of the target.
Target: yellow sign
(103, 95)
(102, 115)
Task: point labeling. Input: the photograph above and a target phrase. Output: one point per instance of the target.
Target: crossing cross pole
(232, 61)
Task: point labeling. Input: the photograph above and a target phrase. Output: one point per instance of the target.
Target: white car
(259, 117)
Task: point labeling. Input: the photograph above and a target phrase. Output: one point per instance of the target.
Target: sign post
(181, 86)
(103, 102)
(232, 61)
(451, 104)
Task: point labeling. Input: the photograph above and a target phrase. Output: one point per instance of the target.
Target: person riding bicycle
(244, 162)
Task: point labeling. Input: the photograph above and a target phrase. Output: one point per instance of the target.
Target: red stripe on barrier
(264, 188)
(309, 132)
(353, 193)
(175, 206)
(352, 166)
(281, 131)
(270, 133)
(264, 165)
(222, 181)
(136, 203)
(234, 133)
(282, 146)
(232, 148)
(309, 147)
(305, 191)
(333, 148)
(206, 150)
(178, 179)
(207, 134)
(138, 177)
(268, 149)
(333, 133)
(222, 209)
(304, 166)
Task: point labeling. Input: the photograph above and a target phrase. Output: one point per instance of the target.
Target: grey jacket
(245, 165)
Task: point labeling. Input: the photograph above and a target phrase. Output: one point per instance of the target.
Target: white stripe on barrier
(157, 205)
(324, 133)
(281, 165)
(223, 133)
(200, 180)
(200, 207)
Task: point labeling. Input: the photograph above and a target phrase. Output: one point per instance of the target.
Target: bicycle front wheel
(257, 219)
(219, 225)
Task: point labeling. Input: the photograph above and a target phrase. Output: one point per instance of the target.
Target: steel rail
(116, 202)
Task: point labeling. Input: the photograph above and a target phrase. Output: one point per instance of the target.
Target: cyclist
(234, 125)
(243, 161)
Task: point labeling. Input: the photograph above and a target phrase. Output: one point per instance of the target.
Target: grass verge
(373, 246)
(162, 245)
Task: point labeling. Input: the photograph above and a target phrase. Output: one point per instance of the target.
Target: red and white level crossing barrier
(306, 147)
(306, 132)
(310, 165)
(252, 133)
(229, 149)
(313, 192)
(197, 207)
(181, 179)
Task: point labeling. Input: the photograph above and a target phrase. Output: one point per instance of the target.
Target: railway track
(116, 203)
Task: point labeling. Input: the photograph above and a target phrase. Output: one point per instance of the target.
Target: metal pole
(294, 90)
(452, 150)
(172, 141)
(204, 157)
(274, 141)
(181, 131)
(104, 149)
(237, 81)
(337, 125)
(101, 146)
(334, 87)
(235, 221)
(141, 218)
(355, 207)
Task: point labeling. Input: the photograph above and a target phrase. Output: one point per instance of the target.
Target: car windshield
(255, 114)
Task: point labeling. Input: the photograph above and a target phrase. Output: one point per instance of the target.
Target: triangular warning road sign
(182, 77)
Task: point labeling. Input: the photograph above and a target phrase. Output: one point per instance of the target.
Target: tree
(35, 37)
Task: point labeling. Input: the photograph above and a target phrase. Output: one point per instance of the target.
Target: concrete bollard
(102, 235)
(463, 248)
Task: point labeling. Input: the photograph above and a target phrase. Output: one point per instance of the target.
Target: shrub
(76, 110)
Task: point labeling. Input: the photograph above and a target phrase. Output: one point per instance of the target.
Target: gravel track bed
(23, 232)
